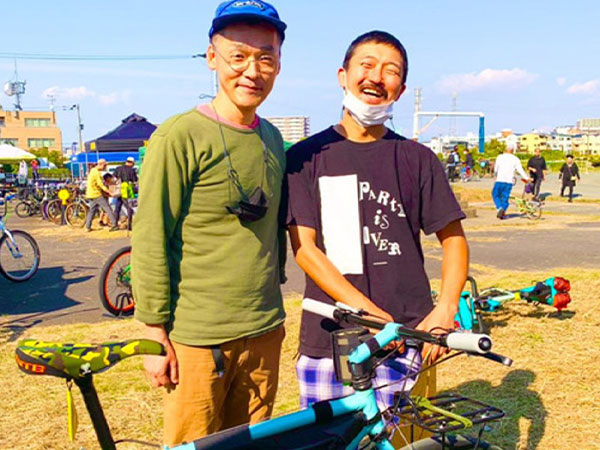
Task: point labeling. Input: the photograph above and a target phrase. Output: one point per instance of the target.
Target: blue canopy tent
(127, 137)
(78, 162)
(116, 145)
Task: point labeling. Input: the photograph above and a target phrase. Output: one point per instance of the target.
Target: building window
(12, 142)
(37, 123)
(40, 143)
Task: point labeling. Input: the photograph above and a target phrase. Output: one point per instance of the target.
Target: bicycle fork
(12, 245)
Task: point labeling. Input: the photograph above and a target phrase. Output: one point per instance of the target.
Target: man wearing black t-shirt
(537, 171)
(127, 174)
(359, 195)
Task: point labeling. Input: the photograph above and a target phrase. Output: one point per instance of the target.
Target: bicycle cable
(420, 371)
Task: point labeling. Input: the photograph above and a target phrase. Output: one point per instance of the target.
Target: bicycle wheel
(75, 214)
(54, 211)
(23, 209)
(115, 284)
(533, 210)
(19, 256)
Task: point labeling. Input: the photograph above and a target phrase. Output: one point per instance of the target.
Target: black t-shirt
(539, 164)
(126, 173)
(368, 203)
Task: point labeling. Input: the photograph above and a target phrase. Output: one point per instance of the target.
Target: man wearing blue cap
(207, 249)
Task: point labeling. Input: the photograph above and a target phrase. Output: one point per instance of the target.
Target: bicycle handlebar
(468, 342)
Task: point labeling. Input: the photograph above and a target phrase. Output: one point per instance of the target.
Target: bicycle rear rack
(444, 413)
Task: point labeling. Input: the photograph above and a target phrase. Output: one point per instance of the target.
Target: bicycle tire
(75, 214)
(533, 210)
(115, 287)
(23, 209)
(28, 248)
(54, 211)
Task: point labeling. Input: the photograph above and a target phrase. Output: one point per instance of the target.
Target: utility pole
(416, 114)
(79, 130)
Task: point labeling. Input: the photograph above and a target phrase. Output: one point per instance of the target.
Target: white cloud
(561, 81)
(74, 93)
(486, 79)
(114, 97)
(591, 87)
(81, 92)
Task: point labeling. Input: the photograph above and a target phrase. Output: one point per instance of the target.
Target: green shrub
(53, 173)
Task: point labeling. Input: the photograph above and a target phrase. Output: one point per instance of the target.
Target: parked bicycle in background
(19, 252)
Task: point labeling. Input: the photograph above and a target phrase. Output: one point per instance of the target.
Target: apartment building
(532, 141)
(589, 125)
(560, 141)
(292, 128)
(586, 144)
(30, 129)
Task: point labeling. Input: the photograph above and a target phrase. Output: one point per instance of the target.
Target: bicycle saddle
(78, 360)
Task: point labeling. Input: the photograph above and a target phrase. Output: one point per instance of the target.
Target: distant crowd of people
(507, 166)
(102, 185)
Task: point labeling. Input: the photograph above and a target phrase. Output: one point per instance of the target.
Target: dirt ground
(65, 289)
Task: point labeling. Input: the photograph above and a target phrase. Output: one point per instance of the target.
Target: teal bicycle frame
(552, 291)
(362, 401)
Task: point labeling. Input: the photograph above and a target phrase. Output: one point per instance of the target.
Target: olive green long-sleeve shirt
(195, 267)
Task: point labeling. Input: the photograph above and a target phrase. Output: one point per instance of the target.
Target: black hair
(569, 156)
(379, 37)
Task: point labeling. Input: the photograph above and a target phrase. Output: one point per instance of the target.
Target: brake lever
(495, 357)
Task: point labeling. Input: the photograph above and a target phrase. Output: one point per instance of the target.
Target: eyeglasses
(239, 62)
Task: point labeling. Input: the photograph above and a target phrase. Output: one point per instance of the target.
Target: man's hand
(161, 370)
(441, 316)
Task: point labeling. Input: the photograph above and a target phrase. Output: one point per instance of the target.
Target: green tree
(54, 156)
(493, 149)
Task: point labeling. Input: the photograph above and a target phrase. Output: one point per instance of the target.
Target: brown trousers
(204, 403)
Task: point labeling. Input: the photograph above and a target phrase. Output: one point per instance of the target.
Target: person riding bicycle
(208, 248)
(359, 196)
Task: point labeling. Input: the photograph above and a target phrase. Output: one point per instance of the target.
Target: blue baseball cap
(246, 11)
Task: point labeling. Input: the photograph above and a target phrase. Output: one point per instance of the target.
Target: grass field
(551, 394)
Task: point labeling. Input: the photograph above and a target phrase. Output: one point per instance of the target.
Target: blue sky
(525, 64)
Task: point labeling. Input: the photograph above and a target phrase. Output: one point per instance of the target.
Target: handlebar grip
(469, 342)
(319, 308)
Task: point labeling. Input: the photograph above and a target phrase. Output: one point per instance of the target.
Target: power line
(57, 57)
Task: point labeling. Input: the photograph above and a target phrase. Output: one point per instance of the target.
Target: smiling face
(374, 74)
(246, 58)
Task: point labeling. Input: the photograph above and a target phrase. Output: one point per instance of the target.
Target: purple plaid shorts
(316, 377)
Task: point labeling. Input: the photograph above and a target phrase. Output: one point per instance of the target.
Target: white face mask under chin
(367, 115)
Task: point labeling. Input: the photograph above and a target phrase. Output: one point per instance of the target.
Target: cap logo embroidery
(241, 4)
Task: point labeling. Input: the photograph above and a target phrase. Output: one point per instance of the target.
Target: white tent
(10, 154)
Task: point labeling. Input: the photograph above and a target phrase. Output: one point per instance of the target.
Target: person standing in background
(34, 169)
(537, 171)
(98, 193)
(126, 173)
(569, 173)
